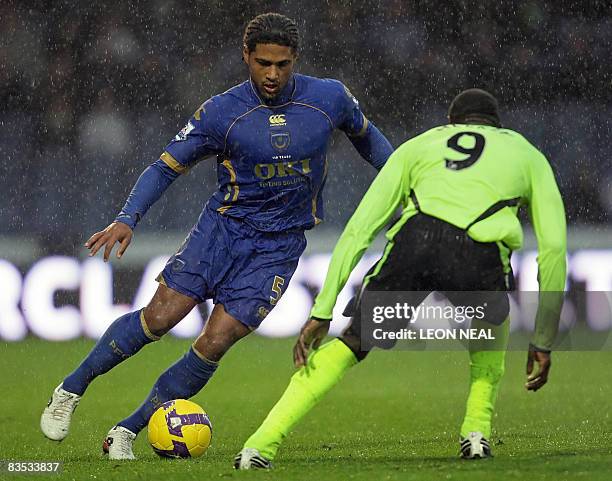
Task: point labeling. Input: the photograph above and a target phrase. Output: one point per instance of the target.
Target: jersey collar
(285, 95)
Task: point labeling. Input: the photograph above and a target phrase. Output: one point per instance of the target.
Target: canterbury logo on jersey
(277, 120)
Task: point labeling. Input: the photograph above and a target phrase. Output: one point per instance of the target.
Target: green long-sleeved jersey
(456, 173)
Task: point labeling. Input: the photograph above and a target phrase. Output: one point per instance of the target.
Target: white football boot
(118, 443)
(249, 458)
(55, 419)
(475, 446)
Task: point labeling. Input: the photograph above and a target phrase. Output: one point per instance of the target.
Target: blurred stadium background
(90, 93)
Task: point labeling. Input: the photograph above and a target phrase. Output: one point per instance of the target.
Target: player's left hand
(311, 335)
(535, 380)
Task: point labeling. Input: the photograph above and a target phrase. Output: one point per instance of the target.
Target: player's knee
(158, 321)
(213, 345)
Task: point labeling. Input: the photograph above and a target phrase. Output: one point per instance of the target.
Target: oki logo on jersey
(282, 169)
(277, 120)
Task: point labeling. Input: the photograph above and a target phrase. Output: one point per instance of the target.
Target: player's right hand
(116, 232)
(535, 380)
(311, 335)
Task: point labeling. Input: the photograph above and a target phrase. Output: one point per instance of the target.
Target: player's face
(270, 67)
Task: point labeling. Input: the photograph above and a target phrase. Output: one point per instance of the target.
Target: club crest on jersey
(277, 120)
(182, 135)
(280, 140)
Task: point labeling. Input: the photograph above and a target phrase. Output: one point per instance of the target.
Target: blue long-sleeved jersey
(271, 156)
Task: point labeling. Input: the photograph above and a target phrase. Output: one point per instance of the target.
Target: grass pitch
(396, 416)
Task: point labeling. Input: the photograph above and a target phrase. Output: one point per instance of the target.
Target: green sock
(486, 371)
(324, 369)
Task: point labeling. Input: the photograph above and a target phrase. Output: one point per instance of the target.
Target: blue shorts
(226, 260)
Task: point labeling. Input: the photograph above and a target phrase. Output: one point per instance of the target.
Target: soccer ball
(180, 429)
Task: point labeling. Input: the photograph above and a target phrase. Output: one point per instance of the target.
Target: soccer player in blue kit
(270, 135)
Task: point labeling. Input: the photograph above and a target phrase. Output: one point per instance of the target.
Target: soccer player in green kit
(459, 187)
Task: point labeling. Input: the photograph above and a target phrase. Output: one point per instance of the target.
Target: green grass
(396, 416)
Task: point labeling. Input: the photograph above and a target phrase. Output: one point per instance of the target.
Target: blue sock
(124, 337)
(184, 379)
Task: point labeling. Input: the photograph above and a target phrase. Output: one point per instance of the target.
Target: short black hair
(474, 106)
(271, 28)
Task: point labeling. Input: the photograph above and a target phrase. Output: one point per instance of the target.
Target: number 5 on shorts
(277, 285)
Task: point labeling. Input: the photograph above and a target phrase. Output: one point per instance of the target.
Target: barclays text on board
(27, 300)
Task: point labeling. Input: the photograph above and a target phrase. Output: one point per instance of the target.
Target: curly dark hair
(271, 28)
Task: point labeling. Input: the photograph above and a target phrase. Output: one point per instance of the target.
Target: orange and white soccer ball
(180, 429)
